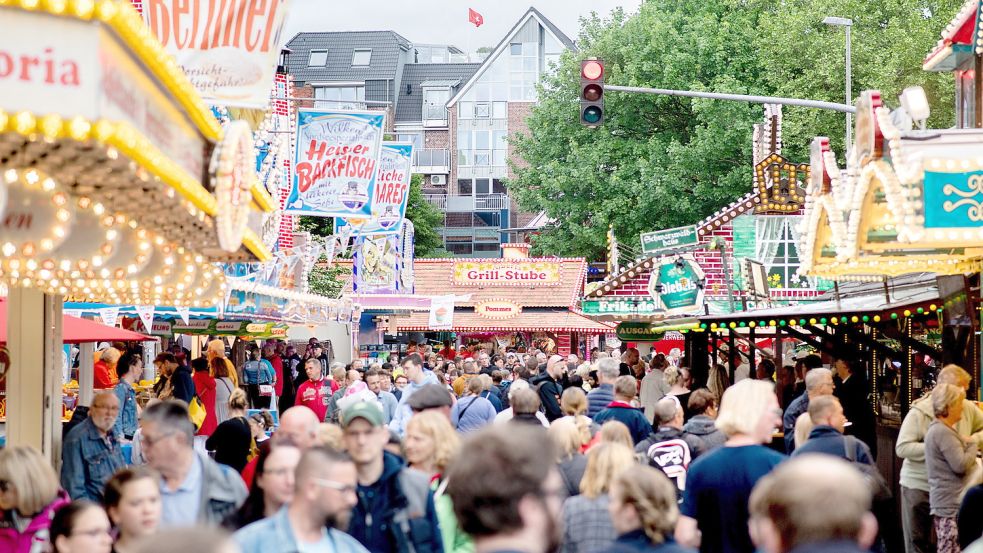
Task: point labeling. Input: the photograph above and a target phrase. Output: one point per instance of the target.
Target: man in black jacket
(547, 384)
(852, 390)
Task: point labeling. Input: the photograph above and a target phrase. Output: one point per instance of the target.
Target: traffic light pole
(735, 97)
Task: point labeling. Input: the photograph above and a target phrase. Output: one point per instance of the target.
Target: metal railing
(464, 203)
(434, 113)
(431, 157)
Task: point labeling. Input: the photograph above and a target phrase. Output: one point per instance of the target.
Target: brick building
(458, 115)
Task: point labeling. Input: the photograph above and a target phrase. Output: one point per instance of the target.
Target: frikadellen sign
(676, 285)
(654, 243)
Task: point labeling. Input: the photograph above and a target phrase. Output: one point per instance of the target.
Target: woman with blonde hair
(568, 438)
(431, 444)
(232, 441)
(587, 523)
(678, 379)
(718, 382)
(644, 511)
(29, 497)
(949, 456)
(616, 432)
(719, 483)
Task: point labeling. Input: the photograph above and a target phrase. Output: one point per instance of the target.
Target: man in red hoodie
(316, 391)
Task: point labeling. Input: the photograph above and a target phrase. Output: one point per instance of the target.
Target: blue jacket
(274, 535)
(637, 541)
(599, 398)
(183, 384)
(828, 440)
(126, 422)
(403, 411)
(633, 418)
(397, 513)
(792, 412)
(88, 461)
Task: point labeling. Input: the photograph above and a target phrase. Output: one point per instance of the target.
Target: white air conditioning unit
(438, 179)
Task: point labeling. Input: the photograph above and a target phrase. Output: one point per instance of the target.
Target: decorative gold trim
(123, 19)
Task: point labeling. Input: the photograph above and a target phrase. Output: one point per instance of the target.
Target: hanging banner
(677, 285)
(184, 313)
(441, 313)
(228, 49)
(392, 191)
(109, 315)
(146, 313)
(335, 163)
(376, 265)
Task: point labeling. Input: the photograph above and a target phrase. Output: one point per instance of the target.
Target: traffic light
(591, 92)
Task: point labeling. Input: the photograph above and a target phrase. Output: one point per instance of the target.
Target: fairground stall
(119, 186)
(512, 303)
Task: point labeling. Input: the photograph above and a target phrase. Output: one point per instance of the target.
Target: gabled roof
(389, 49)
(532, 13)
(409, 107)
(959, 40)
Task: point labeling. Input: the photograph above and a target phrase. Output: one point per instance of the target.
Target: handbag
(266, 390)
(197, 412)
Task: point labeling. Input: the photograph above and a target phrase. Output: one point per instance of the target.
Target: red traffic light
(593, 92)
(592, 69)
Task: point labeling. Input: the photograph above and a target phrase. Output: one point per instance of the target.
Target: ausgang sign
(514, 273)
(676, 285)
(498, 309)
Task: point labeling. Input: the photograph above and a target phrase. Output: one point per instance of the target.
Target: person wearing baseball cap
(383, 483)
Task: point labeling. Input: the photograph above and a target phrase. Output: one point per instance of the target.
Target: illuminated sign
(513, 273)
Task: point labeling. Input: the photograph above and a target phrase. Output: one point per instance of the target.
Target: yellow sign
(506, 273)
(498, 309)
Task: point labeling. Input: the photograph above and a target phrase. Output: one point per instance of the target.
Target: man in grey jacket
(195, 490)
(916, 520)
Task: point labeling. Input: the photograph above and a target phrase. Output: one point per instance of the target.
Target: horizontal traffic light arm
(844, 108)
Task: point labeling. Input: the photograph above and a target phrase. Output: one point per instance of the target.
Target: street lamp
(846, 23)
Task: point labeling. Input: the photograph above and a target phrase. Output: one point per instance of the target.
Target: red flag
(475, 17)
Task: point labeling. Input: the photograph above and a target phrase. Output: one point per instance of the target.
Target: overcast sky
(440, 21)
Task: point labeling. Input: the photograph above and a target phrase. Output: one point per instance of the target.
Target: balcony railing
(479, 202)
(431, 157)
(435, 114)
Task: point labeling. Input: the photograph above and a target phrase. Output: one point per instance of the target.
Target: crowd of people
(476, 451)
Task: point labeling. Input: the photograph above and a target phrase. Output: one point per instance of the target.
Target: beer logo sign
(498, 309)
(677, 285)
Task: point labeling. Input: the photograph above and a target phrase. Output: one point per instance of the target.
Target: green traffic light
(592, 115)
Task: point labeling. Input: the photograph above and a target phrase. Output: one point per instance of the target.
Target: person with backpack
(670, 448)
(547, 384)
(260, 380)
(395, 512)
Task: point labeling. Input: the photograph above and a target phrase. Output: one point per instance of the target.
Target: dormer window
(318, 58)
(362, 57)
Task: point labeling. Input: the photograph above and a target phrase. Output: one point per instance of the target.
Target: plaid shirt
(586, 524)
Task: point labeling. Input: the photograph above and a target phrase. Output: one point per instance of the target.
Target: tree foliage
(661, 161)
(328, 281)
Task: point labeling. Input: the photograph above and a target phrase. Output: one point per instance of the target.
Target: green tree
(328, 281)
(660, 161)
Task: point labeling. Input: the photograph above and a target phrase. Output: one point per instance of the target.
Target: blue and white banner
(392, 192)
(335, 163)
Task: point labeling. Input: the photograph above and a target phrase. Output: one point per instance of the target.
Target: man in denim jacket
(324, 494)
(91, 452)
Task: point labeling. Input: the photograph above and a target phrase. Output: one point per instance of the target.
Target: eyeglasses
(343, 488)
(149, 441)
(4, 486)
(94, 533)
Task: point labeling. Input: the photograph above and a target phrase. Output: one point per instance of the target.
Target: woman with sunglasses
(81, 527)
(132, 500)
(29, 497)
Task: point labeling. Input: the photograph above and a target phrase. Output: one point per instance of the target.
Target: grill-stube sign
(493, 273)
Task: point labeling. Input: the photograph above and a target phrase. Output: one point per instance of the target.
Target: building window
(465, 187)
(434, 103)
(482, 148)
(339, 97)
(414, 138)
(487, 246)
(361, 57)
(500, 110)
(523, 71)
(318, 58)
(777, 247)
(482, 110)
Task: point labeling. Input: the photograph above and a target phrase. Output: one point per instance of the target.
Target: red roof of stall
(76, 330)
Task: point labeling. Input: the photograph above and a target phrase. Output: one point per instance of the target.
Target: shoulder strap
(850, 448)
(460, 416)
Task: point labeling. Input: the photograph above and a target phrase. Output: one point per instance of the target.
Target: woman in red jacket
(205, 388)
(104, 370)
